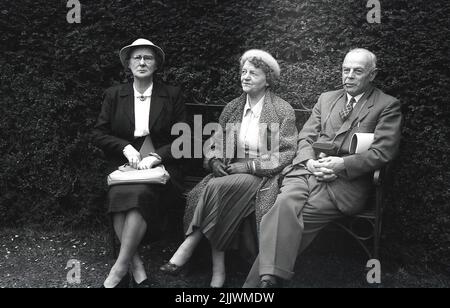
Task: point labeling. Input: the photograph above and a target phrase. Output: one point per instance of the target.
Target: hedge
(53, 74)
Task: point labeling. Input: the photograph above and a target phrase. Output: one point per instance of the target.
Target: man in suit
(319, 188)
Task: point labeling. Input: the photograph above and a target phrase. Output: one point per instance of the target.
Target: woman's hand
(218, 168)
(148, 163)
(133, 156)
(237, 168)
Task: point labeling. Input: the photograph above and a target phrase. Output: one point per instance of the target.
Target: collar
(357, 97)
(256, 110)
(147, 93)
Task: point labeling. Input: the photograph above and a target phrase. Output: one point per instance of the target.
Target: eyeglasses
(147, 59)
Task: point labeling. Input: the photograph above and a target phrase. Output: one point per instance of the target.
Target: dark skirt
(224, 204)
(149, 199)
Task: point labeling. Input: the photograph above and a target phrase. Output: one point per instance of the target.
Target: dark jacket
(115, 125)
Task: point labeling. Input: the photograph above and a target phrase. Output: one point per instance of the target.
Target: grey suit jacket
(377, 113)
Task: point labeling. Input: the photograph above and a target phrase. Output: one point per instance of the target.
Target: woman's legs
(138, 269)
(218, 268)
(184, 252)
(137, 265)
(133, 228)
(118, 222)
(186, 249)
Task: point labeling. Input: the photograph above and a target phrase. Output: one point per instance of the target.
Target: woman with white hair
(245, 183)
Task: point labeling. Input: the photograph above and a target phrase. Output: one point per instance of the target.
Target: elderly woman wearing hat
(130, 113)
(246, 183)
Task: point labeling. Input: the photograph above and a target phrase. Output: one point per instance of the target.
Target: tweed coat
(268, 165)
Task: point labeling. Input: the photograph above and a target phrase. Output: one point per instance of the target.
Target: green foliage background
(53, 74)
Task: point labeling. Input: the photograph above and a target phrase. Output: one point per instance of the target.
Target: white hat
(265, 57)
(125, 51)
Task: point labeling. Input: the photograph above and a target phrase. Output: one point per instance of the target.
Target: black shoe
(270, 284)
(145, 284)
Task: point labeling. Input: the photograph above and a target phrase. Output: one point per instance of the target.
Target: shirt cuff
(155, 155)
(128, 146)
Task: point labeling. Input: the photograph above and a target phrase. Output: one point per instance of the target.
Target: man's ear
(373, 74)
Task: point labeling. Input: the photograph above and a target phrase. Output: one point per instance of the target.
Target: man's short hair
(371, 55)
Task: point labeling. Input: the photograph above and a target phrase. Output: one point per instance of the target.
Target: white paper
(361, 142)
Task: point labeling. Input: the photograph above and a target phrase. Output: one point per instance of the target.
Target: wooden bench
(371, 217)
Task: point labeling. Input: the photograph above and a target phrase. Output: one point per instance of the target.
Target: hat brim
(124, 53)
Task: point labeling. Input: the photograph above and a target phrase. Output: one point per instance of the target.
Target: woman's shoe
(124, 283)
(272, 283)
(145, 284)
(223, 285)
(217, 287)
(173, 269)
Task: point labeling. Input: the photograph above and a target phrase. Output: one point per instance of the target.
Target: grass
(38, 259)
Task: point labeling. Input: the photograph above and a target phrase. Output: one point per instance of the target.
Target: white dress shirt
(357, 98)
(249, 132)
(142, 104)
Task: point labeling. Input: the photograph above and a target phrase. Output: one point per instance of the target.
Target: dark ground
(30, 259)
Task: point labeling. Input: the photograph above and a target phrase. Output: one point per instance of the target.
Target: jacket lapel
(267, 117)
(334, 108)
(267, 109)
(336, 118)
(157, 103)
(360, 111)
(127, 96)
(237, 116)
(363, 109)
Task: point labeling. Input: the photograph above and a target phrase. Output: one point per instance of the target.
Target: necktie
(345, 113)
